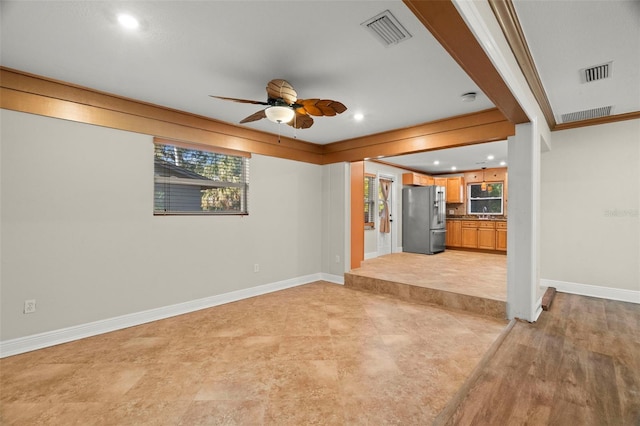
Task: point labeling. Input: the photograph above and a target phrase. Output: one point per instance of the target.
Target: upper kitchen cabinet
(495, 175)
(455, 189)
(473, 176)
(487, 175)
(417, 179)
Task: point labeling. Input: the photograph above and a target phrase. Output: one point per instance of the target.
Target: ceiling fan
(283, 106)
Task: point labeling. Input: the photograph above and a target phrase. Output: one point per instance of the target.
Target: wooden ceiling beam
(38, 95)
(484, 126)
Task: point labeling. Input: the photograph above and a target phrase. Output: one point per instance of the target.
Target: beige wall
(590, 199)
(79, 236)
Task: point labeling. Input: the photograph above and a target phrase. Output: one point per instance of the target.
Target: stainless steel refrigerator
(423, 219)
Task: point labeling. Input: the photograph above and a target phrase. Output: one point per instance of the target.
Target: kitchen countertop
(491, 219)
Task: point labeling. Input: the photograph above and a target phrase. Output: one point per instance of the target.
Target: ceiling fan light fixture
(280, 114)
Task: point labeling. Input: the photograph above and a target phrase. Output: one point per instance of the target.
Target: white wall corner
(335, 279)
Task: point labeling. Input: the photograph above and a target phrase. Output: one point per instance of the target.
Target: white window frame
(470, 199)
(167, 183)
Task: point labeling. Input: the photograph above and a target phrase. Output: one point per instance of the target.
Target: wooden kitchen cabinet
(455, 189)
(417, 179)
(488, 175)
(440, 182)
(473, 176)
(454, 233)
(479, 234)
(501, 236)
(486, 236)
(469, 234)
(495, 175)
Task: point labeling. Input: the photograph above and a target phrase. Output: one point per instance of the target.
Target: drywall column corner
(523, 222)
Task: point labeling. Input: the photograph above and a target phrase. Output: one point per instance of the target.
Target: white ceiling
(185, 51)
(566, 37)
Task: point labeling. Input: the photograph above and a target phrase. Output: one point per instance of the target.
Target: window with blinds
(196, 181)
(369, 201)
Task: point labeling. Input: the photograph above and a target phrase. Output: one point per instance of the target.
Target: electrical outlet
(29, 306)
(256, 267)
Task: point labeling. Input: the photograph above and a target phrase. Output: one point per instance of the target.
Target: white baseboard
(371, 255)
(56, 337)
(336, 279)
(632, 296)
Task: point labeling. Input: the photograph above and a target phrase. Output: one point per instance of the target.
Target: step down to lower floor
(472, 304)
(547, 299)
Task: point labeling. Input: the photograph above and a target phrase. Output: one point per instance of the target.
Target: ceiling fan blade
(281, 89)
(320, 107)
(301, 120)
(254, 117)
(243, 101)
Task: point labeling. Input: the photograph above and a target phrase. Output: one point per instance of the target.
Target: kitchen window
(487, 200)
(198, 180)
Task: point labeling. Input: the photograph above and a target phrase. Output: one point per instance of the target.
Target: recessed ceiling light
(468, 97)
(128, 21)
(503, 163)
(490, 157)
(358, 116)
(454, 168)
(436, 162)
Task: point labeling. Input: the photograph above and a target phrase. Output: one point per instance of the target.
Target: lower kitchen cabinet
(487, 238)
(501, 236)
(479, 234)
(454, 233)
(469, 234)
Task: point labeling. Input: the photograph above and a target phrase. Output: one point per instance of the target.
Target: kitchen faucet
(484, 213)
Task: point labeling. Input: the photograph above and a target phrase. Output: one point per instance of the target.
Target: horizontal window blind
(196, 181)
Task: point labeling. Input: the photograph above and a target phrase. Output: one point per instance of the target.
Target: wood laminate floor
(579, 364)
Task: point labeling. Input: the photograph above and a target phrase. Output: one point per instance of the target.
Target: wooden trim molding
(357, 213)
(442, 19)
(189, 145)
(39, 95)
(596, 121)
(505, 13)
(484, 126)
(28, 93)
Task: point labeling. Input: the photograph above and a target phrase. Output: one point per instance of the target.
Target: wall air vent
(387, 29)
(597, 72)
(587, 114)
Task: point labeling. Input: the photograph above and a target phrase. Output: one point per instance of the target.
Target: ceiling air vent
(597, 72)
(587, 114)
(387, 29)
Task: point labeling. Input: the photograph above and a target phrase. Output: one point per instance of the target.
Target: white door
(385, 214)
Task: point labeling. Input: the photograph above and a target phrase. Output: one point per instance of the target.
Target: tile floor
(315, 354)
(470, 281)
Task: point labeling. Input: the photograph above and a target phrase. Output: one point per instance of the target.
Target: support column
(524, 296)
